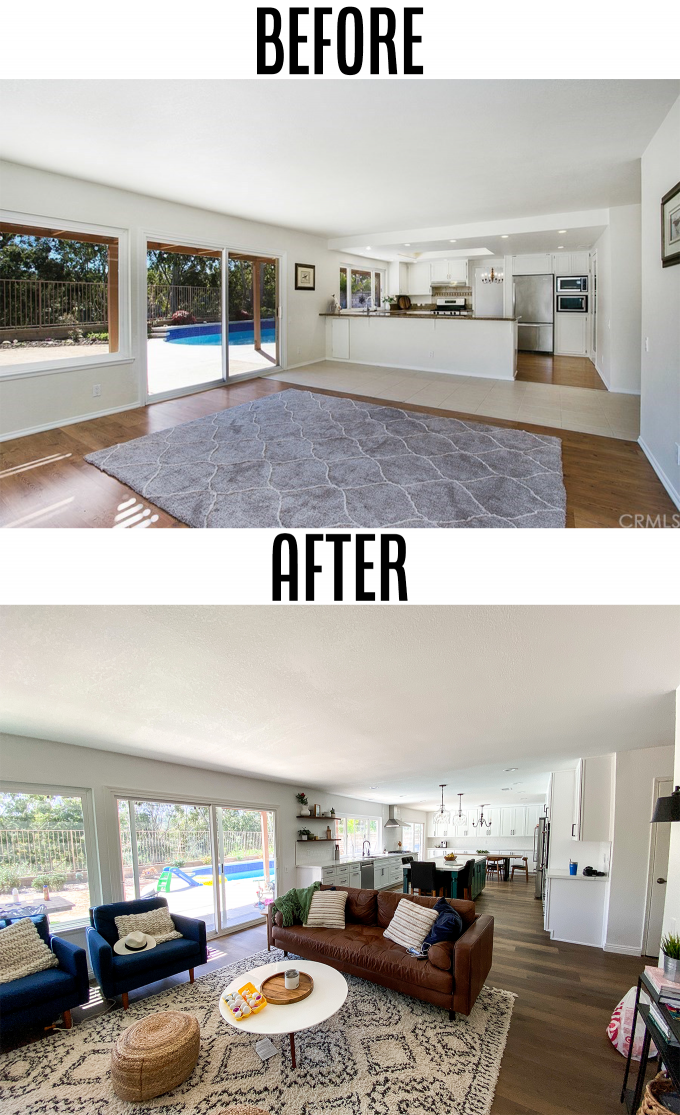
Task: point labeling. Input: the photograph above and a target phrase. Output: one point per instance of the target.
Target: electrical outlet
(646, 344)
(96, 390)
(677, 453)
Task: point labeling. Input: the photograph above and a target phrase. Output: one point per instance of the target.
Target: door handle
(572, 828)
(661, 880)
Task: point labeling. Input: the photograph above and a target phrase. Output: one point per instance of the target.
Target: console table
(669, 1055)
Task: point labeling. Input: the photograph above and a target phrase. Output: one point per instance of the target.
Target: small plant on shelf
(301, 799)
(305, 834)
(482, 851)
(670, 947)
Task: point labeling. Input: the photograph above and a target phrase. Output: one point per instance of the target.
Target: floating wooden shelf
(321, 840)
(301, 817)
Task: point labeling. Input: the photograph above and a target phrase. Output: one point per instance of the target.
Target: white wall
(487, 298)
(36, 402)
(59, 764)
(671, 916)
(618, 307)
(660, 403)
(634, 774)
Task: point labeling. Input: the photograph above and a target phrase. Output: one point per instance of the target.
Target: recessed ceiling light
(505, 236)
(506, 769)
(452, 241)
(504, 788)
(407, 245)
(560, 246)
(562, 231)
(373, 787)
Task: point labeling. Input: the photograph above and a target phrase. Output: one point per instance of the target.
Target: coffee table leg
(292, 1049)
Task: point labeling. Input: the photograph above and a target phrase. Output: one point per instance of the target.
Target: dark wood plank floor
(558, 1059)
(566, 371)
(44, 481)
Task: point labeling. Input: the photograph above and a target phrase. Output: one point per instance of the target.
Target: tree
(30, 811)
(50, 258)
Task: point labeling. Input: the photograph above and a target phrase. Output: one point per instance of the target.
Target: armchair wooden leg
(452, 1016)
(285, 954)
(68, 1021)
(191, 975)
(124, 997)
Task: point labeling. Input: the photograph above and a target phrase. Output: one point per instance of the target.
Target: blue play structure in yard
(203, 876)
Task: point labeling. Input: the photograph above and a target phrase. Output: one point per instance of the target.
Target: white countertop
(562, 873)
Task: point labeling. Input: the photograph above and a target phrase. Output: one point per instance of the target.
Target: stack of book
(669, 995)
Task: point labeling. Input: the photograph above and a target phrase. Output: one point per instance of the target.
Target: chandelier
(480, 822)
(460, 816)
(492, 276)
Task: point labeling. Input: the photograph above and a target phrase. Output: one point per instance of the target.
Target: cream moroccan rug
(381, 1054)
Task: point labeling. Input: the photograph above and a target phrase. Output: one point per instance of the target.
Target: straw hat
(134, 942)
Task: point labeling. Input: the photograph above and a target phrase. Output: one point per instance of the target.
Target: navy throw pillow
(448, 926)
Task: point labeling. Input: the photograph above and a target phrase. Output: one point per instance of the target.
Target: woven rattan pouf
(154, 1055)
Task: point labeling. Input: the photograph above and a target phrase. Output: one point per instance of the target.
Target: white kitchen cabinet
(449, 271)
(538, 264)
(533, 812)
(339, 339)
(395, 871)
(328, 876)
(513, 821)
(439, 271)
(419, 278)
(571, 334)
(571, 263)
(355, 875)
(380, 874)
(592, 799)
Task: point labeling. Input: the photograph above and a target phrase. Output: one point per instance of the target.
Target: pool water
(240, 333)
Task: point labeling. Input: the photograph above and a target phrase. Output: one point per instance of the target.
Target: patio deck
(173, 366)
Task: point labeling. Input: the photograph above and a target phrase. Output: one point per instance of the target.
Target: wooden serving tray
(275, 990)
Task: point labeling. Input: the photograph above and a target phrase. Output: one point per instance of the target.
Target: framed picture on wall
(670, 227)
(305, 276)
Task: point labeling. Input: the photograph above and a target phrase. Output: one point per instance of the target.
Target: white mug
(291, 979)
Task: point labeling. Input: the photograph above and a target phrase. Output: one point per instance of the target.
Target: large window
(43, 844)
(58, 294)
(353, 831)
(412, 837)
(362, 285)
(208, 861)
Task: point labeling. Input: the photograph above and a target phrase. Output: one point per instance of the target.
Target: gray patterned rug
(298, 459)
(381, 1054)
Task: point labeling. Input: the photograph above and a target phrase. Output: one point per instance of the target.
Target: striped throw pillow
(411, 924)
(327, 909)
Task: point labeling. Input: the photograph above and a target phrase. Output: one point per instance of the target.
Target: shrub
(97, 336)
(183, 317)
(55, 882)
(179, 862)
(9, 878)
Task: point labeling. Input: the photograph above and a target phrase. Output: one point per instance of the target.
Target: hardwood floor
(558, 1059)
(44, 481)
(566, 371)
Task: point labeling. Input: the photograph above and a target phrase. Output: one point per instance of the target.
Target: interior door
(659, 871)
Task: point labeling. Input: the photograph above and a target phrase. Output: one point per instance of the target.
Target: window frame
(348, 268)
(361, 817)
(109, 359)
(90, 832)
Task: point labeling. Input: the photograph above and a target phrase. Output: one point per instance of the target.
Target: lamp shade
(667, 809)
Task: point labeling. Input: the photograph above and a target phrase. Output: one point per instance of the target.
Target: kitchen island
(481, 347)
(452, 871)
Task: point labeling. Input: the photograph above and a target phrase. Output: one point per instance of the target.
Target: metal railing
(155, 847)
(48, 850)
(162, 301)
(26, 303)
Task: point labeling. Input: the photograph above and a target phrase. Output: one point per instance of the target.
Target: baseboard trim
(70, 421)
(675, 496)
(624, 950)
(292, 367)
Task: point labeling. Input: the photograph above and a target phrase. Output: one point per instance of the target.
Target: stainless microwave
(566, 283)
(572, 303)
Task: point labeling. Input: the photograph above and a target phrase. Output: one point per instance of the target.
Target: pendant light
(460, 816)
(667, 809)
(442, 787)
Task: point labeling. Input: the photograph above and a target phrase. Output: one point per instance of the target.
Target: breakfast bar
(451, 871)
(481, 347)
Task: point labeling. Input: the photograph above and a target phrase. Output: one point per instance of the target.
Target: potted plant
(301, 799)
(332, 811)
(304, 834)
(391, 303)
(670, 947)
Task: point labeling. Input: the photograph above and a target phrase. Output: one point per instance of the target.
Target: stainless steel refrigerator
(534, 301)
(541, 842)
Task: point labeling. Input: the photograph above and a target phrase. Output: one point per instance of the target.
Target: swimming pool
(210, 333)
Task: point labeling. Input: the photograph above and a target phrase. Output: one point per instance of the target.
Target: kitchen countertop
(418, 314)
(561, 873)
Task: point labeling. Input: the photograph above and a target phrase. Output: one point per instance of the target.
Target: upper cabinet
(592, 798)
(571, 263)
(532, 264)
(418, 278)
(421, 276)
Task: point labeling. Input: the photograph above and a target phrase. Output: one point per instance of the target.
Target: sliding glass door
(253, 314)
(211, 862)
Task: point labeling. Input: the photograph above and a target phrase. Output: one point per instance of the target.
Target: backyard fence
(162, 301)
(27, 303)
(155, 847)
(48, 850)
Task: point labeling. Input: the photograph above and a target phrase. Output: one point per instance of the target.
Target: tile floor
(564, 408)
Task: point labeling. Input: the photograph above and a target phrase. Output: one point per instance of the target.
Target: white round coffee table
(330, 992)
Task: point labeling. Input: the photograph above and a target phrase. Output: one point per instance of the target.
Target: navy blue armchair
(41, 997)
(117, 975)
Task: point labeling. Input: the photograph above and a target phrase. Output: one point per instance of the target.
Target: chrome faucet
(363, 848)
(368, 310)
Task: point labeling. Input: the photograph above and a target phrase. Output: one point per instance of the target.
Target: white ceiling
(336, 157)
(466, 247)
(349, 698)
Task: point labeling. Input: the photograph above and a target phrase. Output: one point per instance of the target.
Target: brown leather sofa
(451, 977)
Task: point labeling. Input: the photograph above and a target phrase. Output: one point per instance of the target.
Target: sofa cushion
(389, 900)
(157, 923)
(171, 952)
(104, 917)
(447, 927)
(362, 905)
(441, 955)
(327, 909)
(39, 987)
(410, 925)
(363, 946)
(23, 951)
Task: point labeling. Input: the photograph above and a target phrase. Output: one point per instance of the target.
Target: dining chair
(465, 879)
(424, 878)
(522, 867)
(491, 868)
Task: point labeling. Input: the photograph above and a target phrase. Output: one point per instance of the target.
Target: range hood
(393, 821)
